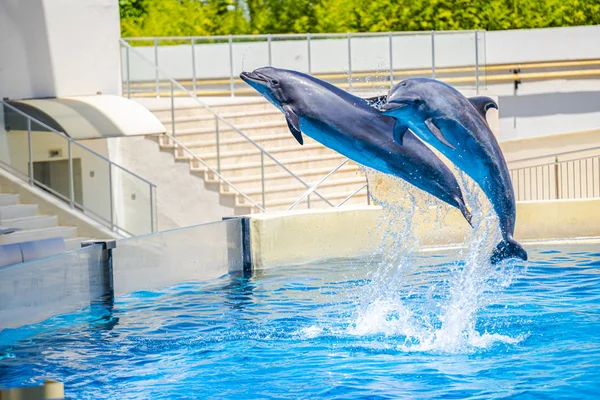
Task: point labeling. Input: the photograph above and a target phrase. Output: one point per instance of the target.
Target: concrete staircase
(32, 226)
(242, 163)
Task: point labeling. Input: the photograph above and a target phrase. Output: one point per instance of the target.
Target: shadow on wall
(26, 42)
(546, 104)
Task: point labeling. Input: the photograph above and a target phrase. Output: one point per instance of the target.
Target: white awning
(91, 117)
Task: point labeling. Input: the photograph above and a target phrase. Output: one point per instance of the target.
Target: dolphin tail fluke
(508, 248)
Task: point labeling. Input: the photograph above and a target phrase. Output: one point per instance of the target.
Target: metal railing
(215, 172)
(218, 119)
(330, 173)
(108, 193)
(190, 60)
(572, 178)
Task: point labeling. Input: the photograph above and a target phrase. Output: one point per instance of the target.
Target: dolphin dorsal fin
(437, 133)
(376, 101)
(483, 103)
(293, 122)
(400, 130)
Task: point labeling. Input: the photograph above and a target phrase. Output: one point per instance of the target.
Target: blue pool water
(344, 329)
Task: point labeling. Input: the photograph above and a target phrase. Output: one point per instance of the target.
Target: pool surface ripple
(334, 330)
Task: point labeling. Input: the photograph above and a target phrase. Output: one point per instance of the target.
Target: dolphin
(353, 127)
(456, 126)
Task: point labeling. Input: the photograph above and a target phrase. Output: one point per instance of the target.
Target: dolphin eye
(275, 82)
(403, 83)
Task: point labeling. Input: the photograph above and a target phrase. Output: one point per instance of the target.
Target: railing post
(349, 61)
(391, 62)
(194, 67)
(433, 54)
(269, 48)
(128, 73)
(30, 145)
(262, 176)
(218, 145)
(156, 69)
(556, 177)
(309, 53)
(172, 110)
(476, 62)
(231, 82)
(71, 189)
(111, 193)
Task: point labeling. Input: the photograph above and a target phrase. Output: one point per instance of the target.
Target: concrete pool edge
(297, 237)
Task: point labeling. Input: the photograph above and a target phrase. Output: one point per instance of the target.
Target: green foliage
(184, 18)
(219, 17)
(132, 9)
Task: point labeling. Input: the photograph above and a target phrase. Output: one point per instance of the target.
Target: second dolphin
(457, 127)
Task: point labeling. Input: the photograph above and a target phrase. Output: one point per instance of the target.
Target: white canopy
(90, 117)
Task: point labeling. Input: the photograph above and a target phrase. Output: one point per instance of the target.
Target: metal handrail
(211, 169)
(294, 35)
(351, 195)
(316, 185)
(218, 116)
(63, 134)
(71, 199)
(268, 38)
(554, 179)
(556, 161)
(555, 155)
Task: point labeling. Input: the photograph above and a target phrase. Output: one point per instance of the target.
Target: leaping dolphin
(456, 126)
(352, 127)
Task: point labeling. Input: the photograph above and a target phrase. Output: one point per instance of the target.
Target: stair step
(33, 222)
(328, 183)
(287, 162)
(223, 127)
(18, 211)
(320, 172)
(7, 199)
(335, 198)
(222, 109)
(227, 116)
(274, 150)
(28, 235)
(240, 139)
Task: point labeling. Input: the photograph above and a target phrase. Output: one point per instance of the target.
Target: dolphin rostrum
(456, 126)
(352, 127)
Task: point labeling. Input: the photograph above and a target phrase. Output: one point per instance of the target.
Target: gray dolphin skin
(456, 126)
(352, 127)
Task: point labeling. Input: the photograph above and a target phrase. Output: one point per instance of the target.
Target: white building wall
(58, 48)
(532, 45)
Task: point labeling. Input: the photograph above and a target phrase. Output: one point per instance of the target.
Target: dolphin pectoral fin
(400, 130)
(437, 133)
(293, 122)
(483, 104)
(376, 101)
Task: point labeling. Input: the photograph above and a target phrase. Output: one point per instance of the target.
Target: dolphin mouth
(391, 106)
(252, 77)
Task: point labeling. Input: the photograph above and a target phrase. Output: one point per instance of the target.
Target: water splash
(432, 307)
